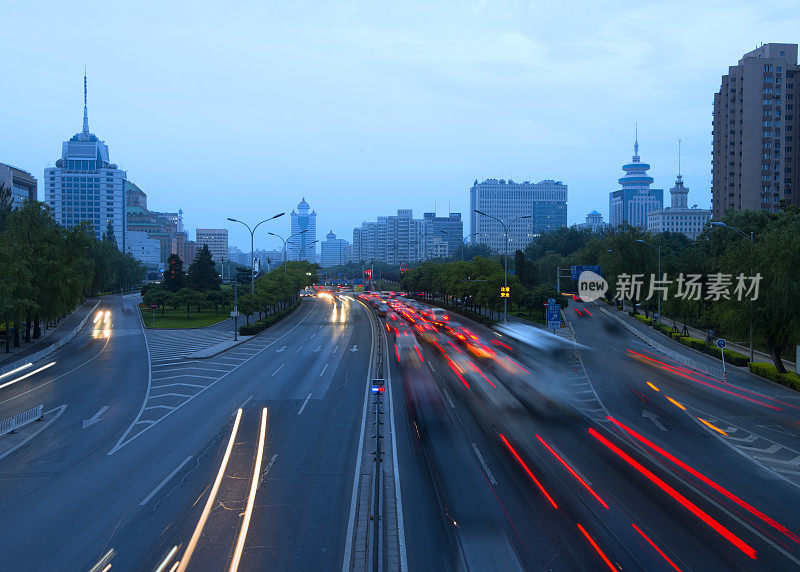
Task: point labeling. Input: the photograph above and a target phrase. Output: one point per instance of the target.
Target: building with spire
(679, 217)
(631, 203)
(334, 251)
(594, 222)
(84, 186)
(302, 246)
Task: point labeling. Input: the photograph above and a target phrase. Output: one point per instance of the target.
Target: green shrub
(770, 372)
(266, 322)
(642, 319)
(731, 357)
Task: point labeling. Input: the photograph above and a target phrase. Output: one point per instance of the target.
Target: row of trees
(46, 269)
(775, 255)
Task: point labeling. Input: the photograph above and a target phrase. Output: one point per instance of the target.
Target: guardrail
(11, 424)
(49, 349)
(712, 371)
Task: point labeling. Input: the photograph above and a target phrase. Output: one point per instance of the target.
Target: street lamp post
(505, 255)
(463, 240)
(658, 248)
(284, 244)
(750, 309)
(252, 235)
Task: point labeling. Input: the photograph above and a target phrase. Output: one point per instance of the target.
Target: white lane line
(165, 481)
(312, 335)
(200, 367)
(277, 370)
(170, 395)
(269, 466)
(304, 404)
(449, 399)
(177, 384)
(298, 349)
(158, 407)
(484, 465)
(336, 348)
(246, 401)
(42, 428)
(323, 370)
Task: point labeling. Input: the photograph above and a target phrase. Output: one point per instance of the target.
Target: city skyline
(432, 82)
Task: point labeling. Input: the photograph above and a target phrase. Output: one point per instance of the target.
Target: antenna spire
(636, 141)
(85, 109)
(679, 157)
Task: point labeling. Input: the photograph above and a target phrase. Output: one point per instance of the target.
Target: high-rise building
(85, 186)
(594, 222)
(755, 155)
(442, 235)
(217, 241)
(395, 239)
(302, 247)
(21, 184)
(167, 228)
(679, 217)
(334, 251)
(635, 199)
(544, 202)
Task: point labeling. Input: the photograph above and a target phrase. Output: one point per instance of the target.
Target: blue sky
(368, 107)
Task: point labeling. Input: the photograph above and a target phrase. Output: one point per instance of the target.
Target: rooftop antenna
(85, 110)
(636, 140)
(679, 157)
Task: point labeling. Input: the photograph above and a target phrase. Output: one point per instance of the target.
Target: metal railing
(33, 358)
(11, 424)
(712, 371)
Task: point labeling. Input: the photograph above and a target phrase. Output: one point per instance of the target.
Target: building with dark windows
(334, 251)
(755, 151)
(85, 187)
(21, 183)
(442, 235)
(544, 202)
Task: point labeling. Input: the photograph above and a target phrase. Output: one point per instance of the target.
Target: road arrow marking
(95, 418)
(654, 418)
(319, 348)
(354, 348)
(280, 349)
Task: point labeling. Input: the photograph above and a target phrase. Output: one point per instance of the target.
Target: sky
(242, 109)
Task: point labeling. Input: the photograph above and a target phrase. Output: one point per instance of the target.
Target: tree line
(46, 270)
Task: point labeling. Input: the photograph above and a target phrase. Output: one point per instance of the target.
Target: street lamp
(750, 309)
(252, 234)
(505, 256)
(658, 248)
(463, 240)
(284, 245)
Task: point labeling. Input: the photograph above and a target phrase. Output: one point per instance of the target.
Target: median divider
(19, 420)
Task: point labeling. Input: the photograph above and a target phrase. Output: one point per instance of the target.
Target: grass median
(175, 319)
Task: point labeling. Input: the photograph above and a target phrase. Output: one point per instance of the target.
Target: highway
(152, 458)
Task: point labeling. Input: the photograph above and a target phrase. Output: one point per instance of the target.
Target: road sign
(553, 315)
(505, 291)
(720, 343)
(575, 271)
(153, 306)
(234, 314)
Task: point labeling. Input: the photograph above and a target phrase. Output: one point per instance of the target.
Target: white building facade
(395, 239)
(594, 222)
(302, 247)
(334, 251)
(217, 241)
(85, 187)
(545, 203)
(145, 249)
(679, 217)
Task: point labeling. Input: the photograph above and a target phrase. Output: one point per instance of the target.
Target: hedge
(769, 371)
(731, 357)
(642, 319)
(267, 321)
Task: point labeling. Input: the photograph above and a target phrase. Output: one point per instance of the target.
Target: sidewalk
(758, 357)
(51, 336)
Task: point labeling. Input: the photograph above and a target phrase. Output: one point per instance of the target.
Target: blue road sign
(553, 315)
(575, 271)
(720, 343)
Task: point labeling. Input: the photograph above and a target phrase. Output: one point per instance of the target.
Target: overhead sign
(575, 271)
(553, 315)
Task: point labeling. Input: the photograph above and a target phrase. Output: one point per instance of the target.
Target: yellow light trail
(677, 403)
(251, 499)
(211, 497)
(712, 426)
(653, 386)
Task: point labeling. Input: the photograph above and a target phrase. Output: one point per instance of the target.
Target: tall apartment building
(755, 151)
(395, 239)
(635, 199)
(442, 235)
(166, 228)
(217, 241)
(21, 183)
(85, 186)
(334, 251)
(302, 247)
(544, 202)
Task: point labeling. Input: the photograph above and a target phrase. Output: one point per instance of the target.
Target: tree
(202, 275)
(216, 298)
(187, 297)
(173, 274)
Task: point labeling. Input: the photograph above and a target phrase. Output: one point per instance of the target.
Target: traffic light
(505, 291)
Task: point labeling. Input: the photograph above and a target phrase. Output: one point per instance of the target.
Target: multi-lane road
(152, 457)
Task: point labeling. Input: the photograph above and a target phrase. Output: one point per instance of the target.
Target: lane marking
(165, 481)
(277, 370)
(246, 401)
(484, 465)
(336, 348)
(269, 466)
(187, 555)
(323, 370)
(449, 399)
(298, 349)
(304, 404)
(251, 498)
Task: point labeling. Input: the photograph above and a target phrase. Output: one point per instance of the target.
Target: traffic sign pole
(721, 346)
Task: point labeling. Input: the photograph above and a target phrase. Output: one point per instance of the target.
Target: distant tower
(680, 194)
(302, 247)
(635, 199)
